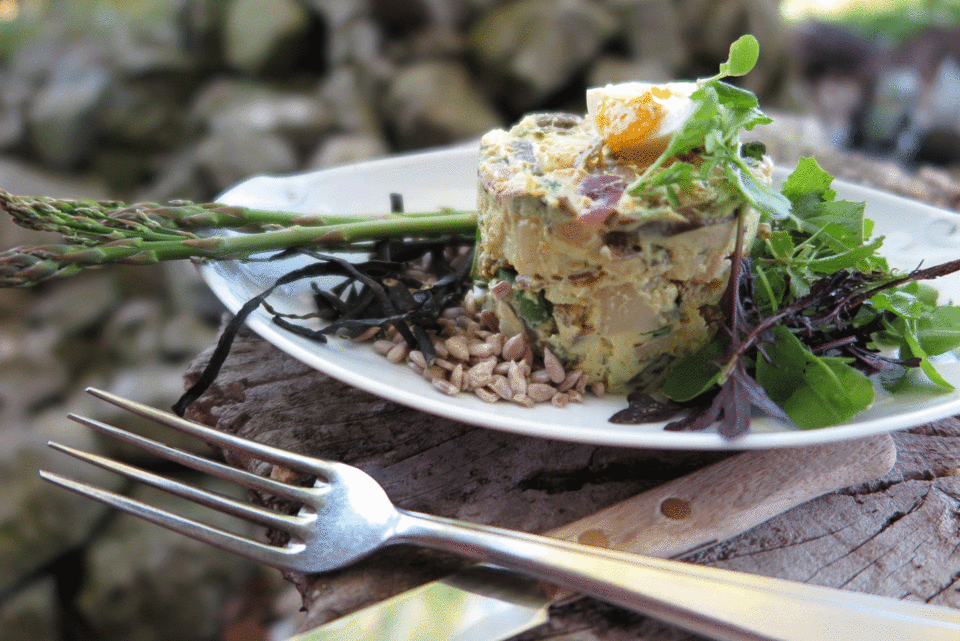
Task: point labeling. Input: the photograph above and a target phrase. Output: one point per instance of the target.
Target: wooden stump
(898, 536)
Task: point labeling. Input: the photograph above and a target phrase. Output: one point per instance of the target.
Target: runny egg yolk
(637, 120)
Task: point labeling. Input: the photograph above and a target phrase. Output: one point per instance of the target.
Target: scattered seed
(569, 380)
(540, 392)
(434, 373)
(440, 349)
(444, 363)
(456, 376)
(581, 385)
(416, 356)
(369, 333)
(516, 378)
(553, 366)
(472, 355)
(500, 385)
(480, 375)
(457, 345)
(445, 386)
(513, 348)
(482, 349)
(501, 290)
(490, 320)
(398, 353)
(522, 399)
(527, 355)
(470, 303)
(383, 347)
(540, 376)
(486, 395)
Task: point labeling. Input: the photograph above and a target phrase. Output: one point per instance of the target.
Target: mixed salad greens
(809, 306)
(812, 310)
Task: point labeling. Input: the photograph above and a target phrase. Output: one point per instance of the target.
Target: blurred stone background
(165, 99)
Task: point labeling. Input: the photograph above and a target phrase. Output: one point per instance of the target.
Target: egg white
(614, 101)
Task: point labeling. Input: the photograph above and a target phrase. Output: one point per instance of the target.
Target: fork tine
(284, 558)
(247, 479)
(267, 453)
(296, 526)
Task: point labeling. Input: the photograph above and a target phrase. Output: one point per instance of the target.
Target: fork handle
(717, 603)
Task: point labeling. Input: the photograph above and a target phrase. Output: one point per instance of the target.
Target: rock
(146, 114)
(229, 105)
(15, 93)
(359, 42)
(933, 119)
(187, 294)
(19, 177)
(350, 104)
(709, 26)
(125, 168)
(346, 149)
(226, 157)
(179, 179)
(27, 616)
(892, 110)
(612, 70)
(454, 13)
(338, 17)
(401, 17)
(75, 305)
(429, 43)
(653, 33)
(39, 522)
(185, 335)
(131, 333)
(436, 102)
(146, 583)
(63, 118)
(536, 47)
(155, 384)
(32, 374)
(260, 35)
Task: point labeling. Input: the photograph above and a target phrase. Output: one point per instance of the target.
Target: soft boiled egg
(637, 119)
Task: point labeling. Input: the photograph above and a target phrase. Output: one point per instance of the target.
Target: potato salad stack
(614, 277)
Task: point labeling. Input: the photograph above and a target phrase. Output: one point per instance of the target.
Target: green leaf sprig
(807, 314)
(722, 111)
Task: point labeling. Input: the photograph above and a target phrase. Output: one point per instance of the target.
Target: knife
(718, 502)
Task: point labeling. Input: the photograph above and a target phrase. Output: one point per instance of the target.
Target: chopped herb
(722, 111)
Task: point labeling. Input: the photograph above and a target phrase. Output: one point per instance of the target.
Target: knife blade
(718, 502)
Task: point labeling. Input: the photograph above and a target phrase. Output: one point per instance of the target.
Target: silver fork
(346, 515)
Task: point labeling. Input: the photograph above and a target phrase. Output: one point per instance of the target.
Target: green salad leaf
(808, 311)
(722, 111)
(814, 391)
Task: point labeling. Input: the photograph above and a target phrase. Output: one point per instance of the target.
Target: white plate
(447, 178)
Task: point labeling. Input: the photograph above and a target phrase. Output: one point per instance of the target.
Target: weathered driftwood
(898, 536)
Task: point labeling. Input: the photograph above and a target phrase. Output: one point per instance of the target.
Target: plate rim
(215, 275)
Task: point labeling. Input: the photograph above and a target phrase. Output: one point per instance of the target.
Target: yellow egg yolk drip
(628, 129)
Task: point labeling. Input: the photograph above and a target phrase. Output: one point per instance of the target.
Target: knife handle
(730, 497)
(720, 604)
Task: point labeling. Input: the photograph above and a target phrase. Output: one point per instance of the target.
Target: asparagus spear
(105, 232)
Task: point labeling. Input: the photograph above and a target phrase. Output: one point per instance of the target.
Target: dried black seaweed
(374, 293)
